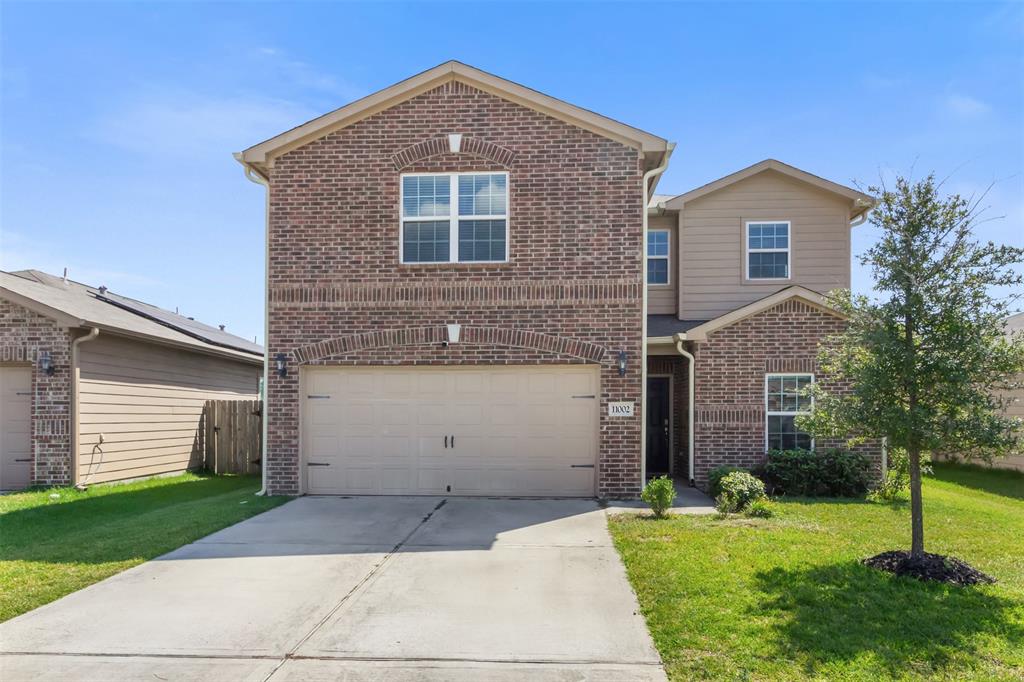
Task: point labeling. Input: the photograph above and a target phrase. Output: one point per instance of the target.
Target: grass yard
(59, 540)
(785, 598)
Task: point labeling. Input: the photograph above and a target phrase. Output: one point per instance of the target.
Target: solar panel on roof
(183, 324)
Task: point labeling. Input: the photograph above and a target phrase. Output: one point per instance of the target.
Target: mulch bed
(935, 567)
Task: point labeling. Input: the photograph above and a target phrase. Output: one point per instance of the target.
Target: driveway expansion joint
(377, 568)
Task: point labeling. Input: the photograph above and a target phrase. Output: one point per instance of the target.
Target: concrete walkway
(358, 589)
(688, 501)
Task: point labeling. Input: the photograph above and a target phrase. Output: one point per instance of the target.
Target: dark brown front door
(658, 436)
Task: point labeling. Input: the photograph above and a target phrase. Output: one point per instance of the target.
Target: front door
(658, 426)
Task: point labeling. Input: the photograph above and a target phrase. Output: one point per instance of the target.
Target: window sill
(459, 264)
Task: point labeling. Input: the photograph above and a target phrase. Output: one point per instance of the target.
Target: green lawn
(785, 598)
(56, 541)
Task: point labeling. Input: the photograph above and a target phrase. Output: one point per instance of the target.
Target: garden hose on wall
(90, 472)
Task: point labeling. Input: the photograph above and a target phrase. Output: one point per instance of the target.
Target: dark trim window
(658, 246)
(785, 397)
(471, 229)
(768, 250)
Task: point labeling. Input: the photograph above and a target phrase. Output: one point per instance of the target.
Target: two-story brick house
(457, 300)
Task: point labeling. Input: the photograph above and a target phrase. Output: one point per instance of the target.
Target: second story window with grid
(471, 229)
(768, 250)
(658, 244)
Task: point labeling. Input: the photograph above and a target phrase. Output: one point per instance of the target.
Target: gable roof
(860, 202)
(260, 156)
(811, 298)
(73, 304)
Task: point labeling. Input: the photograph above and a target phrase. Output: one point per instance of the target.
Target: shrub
(761, 509)
(833, 473)
(739, 490)
(896, 482)
(659, 493)
(716, 475)
(726, 504)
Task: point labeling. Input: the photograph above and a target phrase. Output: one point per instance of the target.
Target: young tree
(925, 360)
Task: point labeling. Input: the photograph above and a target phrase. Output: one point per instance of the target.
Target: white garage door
(459, 431)
(15, 441)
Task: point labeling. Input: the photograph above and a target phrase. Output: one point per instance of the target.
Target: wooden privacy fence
(232, 436)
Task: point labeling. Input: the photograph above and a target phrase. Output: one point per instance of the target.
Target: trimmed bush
(807, 473)
(659, 493)
(761, 509)
(738, 491)
(716, 475)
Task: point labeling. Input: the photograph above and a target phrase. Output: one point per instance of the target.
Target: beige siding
(712, 272)
(662, 299)
(1014, 409)
(147, 401)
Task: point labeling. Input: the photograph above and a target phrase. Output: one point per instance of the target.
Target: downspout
(643, 324)
(689, 404)
(75, 412)
(260, 180)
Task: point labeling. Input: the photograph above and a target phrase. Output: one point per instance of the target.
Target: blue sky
(119, 120)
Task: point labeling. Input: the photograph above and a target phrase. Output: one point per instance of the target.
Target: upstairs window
(472, 228)
(768, 250)
(785, 398)
(658, 244)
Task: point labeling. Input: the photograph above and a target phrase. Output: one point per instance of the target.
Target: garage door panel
(518, 431)
(430, 415)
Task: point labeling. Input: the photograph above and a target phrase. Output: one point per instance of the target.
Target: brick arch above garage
(538, 346)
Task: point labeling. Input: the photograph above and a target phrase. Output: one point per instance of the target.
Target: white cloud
(276, 62)
(18, 252)
(185, 124)
(966, 106)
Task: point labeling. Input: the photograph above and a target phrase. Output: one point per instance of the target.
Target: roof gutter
(255, 176)
(862, 217)
(648, 176)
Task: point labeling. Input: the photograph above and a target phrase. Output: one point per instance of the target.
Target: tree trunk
(916, 508)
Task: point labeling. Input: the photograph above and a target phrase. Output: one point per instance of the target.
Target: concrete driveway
(358, 589)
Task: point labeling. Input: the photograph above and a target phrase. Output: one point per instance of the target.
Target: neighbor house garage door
(460, 431)
(15, 426)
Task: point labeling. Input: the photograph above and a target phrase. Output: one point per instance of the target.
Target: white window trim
(747, 250)
(667, 258)
(778, 413)
(453, 219)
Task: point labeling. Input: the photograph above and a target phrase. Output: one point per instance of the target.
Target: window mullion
(453, 218)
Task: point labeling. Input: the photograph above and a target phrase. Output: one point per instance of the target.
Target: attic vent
(221, 327)
(103, 291)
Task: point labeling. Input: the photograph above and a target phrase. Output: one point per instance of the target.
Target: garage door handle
(453, 441)
(318, 464)
(581, 466)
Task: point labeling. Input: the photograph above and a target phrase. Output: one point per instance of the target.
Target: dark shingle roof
(90, 306)
(668, 325)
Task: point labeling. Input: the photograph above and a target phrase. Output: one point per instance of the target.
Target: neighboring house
(1014, 325)
(457, 301)
(97, 387)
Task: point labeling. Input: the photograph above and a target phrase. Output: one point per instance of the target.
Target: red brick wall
(729, 424)
(24, 334)
(574, 276)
